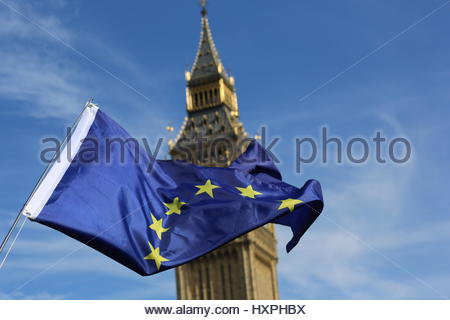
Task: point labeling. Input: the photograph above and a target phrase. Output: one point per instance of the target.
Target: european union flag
(105, 196)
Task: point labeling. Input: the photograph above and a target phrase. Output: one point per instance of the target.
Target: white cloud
(15, 26)
(41, 254)
(33, 70)
(362, 235)
(50, 79)
(36, 296)
(159, 287)
(44, 87)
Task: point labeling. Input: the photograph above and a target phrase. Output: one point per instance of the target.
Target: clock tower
(212, 135)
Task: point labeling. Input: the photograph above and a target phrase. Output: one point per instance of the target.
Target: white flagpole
(41, 178)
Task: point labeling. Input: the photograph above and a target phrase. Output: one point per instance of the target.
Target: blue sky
(384, 232)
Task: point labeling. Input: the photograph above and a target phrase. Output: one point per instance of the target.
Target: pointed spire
(203, 5)
(207, 62)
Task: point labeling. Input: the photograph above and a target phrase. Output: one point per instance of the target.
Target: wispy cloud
(332, 262)
(44, 88)
(44, 71)
(37, 296)
(15, 27)
(33, 70)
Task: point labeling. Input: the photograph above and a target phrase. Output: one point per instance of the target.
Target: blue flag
(151, 215)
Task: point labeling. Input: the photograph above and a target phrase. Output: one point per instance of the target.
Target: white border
(225, 310)
(48, 184)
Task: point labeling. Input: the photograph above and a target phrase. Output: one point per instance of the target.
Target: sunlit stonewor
(246, 267)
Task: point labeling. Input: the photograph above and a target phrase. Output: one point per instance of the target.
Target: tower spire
(207, 62)
(208, 83)
(203, 5)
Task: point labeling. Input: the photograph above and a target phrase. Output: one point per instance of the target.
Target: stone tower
(212, 135)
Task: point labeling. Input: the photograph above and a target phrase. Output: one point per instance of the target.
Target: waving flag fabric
(154, 215)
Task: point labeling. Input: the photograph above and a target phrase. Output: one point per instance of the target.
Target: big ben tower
(211, 135)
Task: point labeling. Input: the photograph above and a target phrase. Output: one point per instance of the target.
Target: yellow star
(157, 226)
(156, 256)
(248, 192)
(289, 203)
(175, 206)
(208, 188)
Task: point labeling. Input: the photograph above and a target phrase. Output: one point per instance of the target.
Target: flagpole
(12, 243)
(42, 176)
(10, 231)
